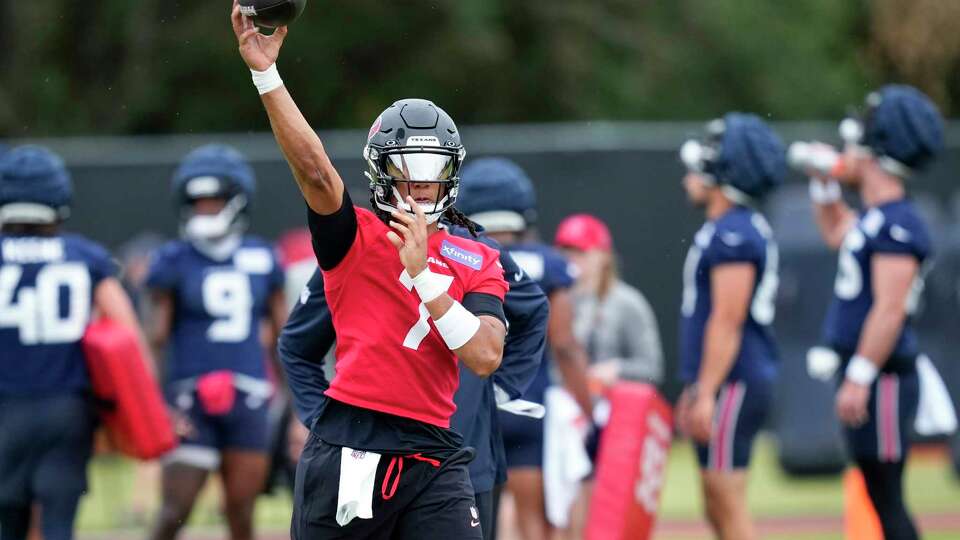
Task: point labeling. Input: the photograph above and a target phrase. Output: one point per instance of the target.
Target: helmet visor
(419, 166)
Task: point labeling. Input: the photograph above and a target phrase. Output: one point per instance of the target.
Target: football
(272, 13)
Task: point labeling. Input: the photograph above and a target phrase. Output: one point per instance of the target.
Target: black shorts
(417, 500)
(45, 444)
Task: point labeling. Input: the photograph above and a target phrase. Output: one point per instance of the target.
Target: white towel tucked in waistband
(358, 469)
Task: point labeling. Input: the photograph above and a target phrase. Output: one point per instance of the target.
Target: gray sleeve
(642, 352)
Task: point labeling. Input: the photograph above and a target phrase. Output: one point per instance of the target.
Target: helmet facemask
(702, 156)
(853, 131)
(391, 166)
(219, 234)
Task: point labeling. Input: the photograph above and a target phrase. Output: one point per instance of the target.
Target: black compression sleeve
(333, 234)
(484, 304)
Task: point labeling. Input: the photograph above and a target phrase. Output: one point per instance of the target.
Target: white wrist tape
(267, 80)
(824, 192)
(428, 285)
(457, 326)
(861, 370)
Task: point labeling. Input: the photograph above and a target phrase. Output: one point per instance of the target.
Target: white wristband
(267, 80)
(428, 286)
(457, 326)
(861, 370)
(824, 192)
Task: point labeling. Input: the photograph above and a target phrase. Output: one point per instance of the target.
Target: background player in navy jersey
(497, 194)
(309, 334)
(211, 291)
(879, 278)
(728, 356)
(51, 283)
(407, 300)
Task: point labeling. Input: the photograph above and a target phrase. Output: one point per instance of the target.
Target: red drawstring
(421, 457)
(398, 461)
(386, 477)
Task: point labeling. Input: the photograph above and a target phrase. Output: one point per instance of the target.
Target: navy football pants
(45, 444)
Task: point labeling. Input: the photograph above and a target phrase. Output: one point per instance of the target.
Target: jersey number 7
(421, 328)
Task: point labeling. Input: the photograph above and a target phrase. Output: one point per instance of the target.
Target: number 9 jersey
(218, 307)
(739, 236)
(46, 297)
(894, 228)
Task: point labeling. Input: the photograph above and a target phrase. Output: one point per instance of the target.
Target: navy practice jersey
(309, 334)
(739, 236)
(552, 272)
(218, 306)
(893, 228)
(46, 297)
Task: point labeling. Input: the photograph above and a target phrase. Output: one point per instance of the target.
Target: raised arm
(319, 182)
(832, 215)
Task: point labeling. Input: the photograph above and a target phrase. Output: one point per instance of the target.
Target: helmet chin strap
(432, 217)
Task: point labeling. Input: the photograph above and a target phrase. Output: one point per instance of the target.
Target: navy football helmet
(413, 140)
(498, 195)
(741, 154)
(35, 186)
(900, 126)
(214, 171)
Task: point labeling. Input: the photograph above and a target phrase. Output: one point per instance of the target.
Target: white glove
(822, 363)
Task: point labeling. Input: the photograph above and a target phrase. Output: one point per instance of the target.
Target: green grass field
(931, 489)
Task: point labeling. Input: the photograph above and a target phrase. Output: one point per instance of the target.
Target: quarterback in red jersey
(407, 300)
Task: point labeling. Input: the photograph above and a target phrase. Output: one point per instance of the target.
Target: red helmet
(583, 232)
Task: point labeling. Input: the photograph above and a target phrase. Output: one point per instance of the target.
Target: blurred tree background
(161, 66)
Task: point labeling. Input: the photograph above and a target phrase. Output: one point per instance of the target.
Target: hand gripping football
(272, 13)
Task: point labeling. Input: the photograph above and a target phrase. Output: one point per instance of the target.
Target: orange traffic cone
(860, 519)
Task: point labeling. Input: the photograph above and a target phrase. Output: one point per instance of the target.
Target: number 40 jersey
(218, 307)
(739, 236)
(46, 297)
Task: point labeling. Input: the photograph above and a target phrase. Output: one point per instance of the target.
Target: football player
(498, 195)
(50, 284)
(882, 250)
(728, 358)
(407, 299)
(309, 333)
(210, 292)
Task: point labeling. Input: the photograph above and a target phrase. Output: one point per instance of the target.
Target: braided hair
(456, 217)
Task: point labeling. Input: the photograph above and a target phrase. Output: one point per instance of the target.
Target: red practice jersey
(390, 357)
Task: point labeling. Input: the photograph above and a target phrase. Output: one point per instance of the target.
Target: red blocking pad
(631, 464)
(134, 411)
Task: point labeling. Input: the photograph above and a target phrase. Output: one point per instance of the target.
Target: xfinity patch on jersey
(459, 255)
(253, 260)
